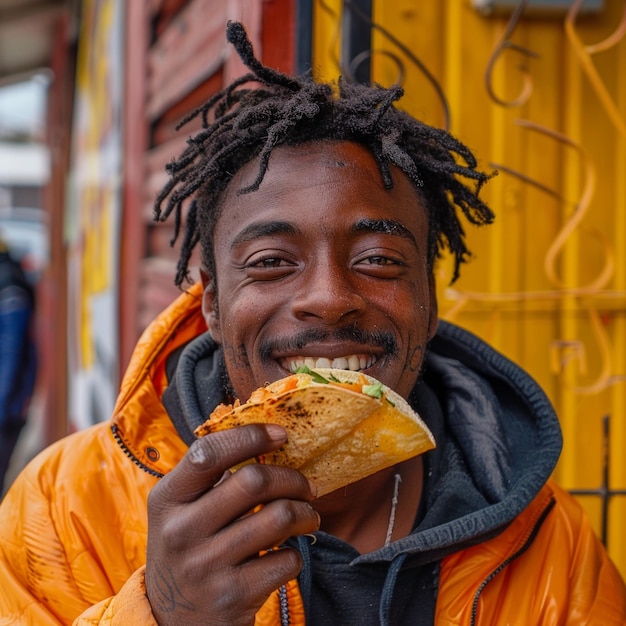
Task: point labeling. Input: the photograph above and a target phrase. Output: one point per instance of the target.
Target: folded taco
(342, 425)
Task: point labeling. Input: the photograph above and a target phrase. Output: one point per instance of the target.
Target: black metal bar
(604, 491)
(304, 36)
(356, 40)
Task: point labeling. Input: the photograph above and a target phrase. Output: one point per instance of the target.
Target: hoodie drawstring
(388, 588)
(305, 578)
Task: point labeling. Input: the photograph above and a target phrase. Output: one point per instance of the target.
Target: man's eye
(379, 260)
(269, 262)
(380, 266)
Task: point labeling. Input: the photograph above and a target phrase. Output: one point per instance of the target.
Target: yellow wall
(547, 285)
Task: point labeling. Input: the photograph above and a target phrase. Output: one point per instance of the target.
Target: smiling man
(320, 214)
(324, 263)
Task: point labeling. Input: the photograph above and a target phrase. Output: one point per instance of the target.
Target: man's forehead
(295, 166)
(314, 177)
(343, 155)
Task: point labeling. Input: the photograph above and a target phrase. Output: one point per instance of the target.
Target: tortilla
(337, 433)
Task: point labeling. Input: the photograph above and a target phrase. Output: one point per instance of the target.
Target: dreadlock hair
(249, 122)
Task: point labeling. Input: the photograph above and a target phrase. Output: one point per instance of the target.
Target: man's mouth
(353, 362)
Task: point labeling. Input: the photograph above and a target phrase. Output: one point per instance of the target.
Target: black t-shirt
(342, 592)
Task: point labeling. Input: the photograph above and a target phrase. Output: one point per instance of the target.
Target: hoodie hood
(498, 442)
(198, 380)
(498, 438)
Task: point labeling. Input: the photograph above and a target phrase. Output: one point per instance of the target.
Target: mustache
(295, 343)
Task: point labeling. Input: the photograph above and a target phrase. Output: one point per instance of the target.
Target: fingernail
(317, 515)
(275, 432)
(313, 488)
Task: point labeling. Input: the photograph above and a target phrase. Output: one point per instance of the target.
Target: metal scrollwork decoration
(349, 71)
(584, 53)
(592, 290)
(505, 43)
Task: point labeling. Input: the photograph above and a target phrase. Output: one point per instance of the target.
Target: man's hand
(203, 564)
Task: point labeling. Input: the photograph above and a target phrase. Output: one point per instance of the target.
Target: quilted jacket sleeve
(73, 537)
(129, 606)
(597, 592)
(546, 567)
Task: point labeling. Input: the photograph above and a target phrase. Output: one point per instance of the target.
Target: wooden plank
(52, 313)
(249, 13)
(159, 237)
(191, 49)
(155, 175)
(135, 143)
(278, 35)
(165, 128)
(157, 289)
(162, 12)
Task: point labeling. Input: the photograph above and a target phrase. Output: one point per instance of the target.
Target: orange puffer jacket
(73, 527)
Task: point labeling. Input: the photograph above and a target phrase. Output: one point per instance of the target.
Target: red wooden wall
(177, 57)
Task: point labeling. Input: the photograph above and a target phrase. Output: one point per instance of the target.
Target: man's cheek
(236, 356)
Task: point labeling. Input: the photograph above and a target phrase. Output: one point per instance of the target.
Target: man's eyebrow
(263, 229)
(389, 227)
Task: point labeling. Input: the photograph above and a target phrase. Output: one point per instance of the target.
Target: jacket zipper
(131, 456)
(284, 605)
(527, 543)
(282, 591)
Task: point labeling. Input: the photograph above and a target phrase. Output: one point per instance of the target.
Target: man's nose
(327, 293)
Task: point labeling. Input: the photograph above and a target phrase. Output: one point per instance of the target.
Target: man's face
(323, 266)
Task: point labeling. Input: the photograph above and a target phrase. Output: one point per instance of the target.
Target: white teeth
(341, 363)
(352, 362)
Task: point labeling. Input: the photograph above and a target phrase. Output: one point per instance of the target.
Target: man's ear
(209, 305)
(433, 317)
